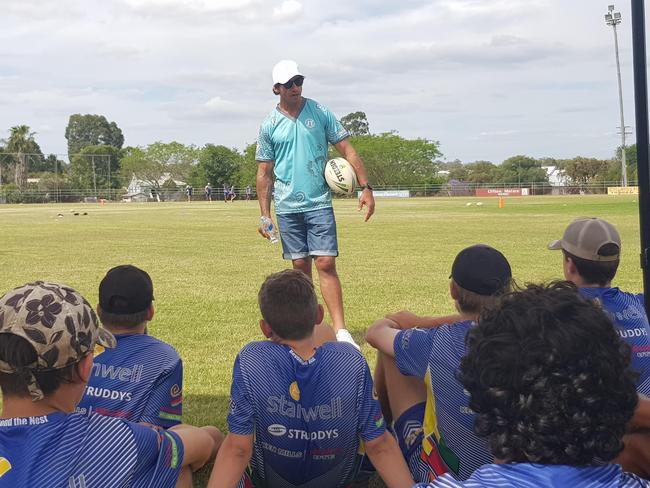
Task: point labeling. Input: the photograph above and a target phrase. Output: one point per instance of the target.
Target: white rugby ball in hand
(340, 176)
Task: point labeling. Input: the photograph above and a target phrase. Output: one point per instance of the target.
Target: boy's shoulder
(336, 352)
(145, 344)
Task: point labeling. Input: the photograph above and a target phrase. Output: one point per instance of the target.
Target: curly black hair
(549, 378)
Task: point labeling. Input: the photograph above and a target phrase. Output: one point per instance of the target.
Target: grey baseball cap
(585, 236)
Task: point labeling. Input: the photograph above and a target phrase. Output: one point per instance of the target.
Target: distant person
(48, 335)
(141, 379)
(416, 371)
(232, 193)
(292, 150)
(189, 190)
(551, 386)
(208, 192)
(249, 192)
(299, 411)
(591, 249)
(226, 193)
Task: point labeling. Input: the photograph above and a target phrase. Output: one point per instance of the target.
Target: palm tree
(20, 142)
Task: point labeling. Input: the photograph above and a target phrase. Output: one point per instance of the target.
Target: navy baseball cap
(481, 269)
(125, 290)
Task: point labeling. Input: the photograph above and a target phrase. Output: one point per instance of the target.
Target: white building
(141, 191)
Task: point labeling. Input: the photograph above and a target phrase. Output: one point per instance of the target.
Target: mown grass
(207, 262)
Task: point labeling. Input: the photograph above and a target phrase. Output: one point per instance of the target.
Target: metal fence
(34, 194)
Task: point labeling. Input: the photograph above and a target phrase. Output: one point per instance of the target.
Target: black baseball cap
(125, 290)
(481, 269)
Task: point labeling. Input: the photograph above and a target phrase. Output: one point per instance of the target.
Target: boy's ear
(150, 313)
(84, 367)
(453, 290)
(266, 329)
(320, 314)
(570, 269)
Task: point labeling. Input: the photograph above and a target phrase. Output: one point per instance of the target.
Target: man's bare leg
(323, 333)
(304, 265)
(330, 288)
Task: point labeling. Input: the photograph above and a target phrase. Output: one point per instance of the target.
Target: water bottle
(267, 225)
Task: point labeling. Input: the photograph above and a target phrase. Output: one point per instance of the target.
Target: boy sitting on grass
(416, 371)
(141, 379)
(298, 412)
(591, 253)
(552, 390)
(47, 335)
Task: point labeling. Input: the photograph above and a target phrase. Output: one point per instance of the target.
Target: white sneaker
(342, 335)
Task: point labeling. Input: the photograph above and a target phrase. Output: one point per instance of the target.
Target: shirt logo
(5, 466)
(327, 411)
(294, 391)
(175, 391)
(310, 123)
(277, 430)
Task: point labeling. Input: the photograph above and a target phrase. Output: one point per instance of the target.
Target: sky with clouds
(488, 79)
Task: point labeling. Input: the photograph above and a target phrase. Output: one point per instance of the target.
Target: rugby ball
(340, 176)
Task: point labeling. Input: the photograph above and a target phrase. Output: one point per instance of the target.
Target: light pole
(614, 18)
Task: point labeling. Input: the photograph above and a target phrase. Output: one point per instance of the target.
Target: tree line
(98, 160)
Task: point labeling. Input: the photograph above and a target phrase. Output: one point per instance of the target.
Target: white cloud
(288, 10)
(198, 71)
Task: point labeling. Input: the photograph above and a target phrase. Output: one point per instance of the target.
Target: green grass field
(207, 262)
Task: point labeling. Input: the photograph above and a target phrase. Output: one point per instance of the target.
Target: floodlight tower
(614, 18)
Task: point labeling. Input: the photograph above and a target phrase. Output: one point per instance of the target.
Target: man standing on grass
(292, 149)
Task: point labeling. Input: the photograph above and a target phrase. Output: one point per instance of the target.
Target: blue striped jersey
(525, 475)
(299, 148)
(141, 380)
(449, 443)
(627, 310)
(308, 417)
(80, 451)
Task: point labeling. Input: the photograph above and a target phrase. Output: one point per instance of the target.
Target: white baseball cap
(284, 70)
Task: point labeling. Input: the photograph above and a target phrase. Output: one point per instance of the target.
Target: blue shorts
(311, 233)
(410, 433)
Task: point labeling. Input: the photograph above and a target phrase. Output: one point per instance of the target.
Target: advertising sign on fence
(622, 190)
(389, 193)
(501, 192)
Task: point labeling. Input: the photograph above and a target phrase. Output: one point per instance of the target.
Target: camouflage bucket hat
(57, 321)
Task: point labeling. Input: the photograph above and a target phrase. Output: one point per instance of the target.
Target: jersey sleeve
(334, 130)
(412, 348)
(159, 458)
(165, 405)
(241, 414)
(371, 420)
(264, 150)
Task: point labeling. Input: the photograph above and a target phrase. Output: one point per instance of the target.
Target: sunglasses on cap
(296, 80)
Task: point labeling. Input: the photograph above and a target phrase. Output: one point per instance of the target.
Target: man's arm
(408, 320)
(346, 150)
(264, 184)
(232, 459)
(381, 335)
(387, 459)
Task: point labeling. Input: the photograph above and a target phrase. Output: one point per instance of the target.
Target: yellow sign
(622, 190)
